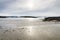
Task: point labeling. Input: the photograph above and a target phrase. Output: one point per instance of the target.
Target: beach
(28, 29)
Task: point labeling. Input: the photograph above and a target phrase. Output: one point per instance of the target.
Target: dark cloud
(4, 4)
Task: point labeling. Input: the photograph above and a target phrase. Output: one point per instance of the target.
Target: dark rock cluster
(52, 19)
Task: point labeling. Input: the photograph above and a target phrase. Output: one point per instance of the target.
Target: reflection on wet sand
(30, 31)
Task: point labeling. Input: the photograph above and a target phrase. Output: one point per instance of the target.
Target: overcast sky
(30, 7)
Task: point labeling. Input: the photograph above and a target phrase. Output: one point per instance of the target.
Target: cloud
(30, 7)
(31, 4)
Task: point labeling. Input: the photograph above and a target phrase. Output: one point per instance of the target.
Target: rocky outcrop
(52, 18)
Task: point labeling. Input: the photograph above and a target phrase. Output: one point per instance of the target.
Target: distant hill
(28, 17)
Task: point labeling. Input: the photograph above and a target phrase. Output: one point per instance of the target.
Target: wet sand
(29, 29)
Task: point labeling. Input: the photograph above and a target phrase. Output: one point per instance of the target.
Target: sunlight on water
(30, 19)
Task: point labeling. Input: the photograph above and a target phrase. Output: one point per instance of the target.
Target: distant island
(18, 17)
(28, 17)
